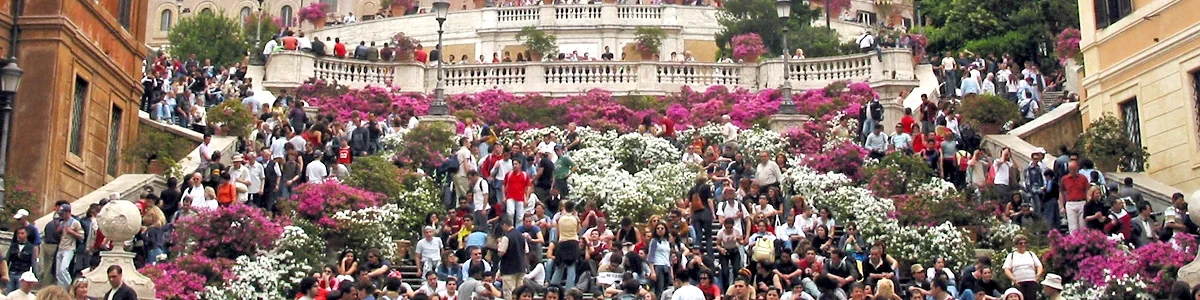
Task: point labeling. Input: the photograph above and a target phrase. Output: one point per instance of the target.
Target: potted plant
(405, 46)
(1107, 142)
(314, 13)
(539, 42)
(749, 47)
(989, 112)
(1066, 46)
(158, 151)
(397, 7)
(649, 41)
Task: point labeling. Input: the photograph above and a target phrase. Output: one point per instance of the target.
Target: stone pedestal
(1190, 272)
(446, 120)
(782, 122)
(5, 241)
(119, 221)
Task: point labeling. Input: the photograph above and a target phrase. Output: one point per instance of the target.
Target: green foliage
(1107, 142)
(897, 174)
(208, 36)
(17, 197)
(426, 146)
(649, 39)
(236, 120)
(989, 110)
(1020, 27)
(376, 174)
(758, 16)
(157, 144)
(252, 35)
(538, 41)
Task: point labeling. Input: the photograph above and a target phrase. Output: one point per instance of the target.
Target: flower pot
(535, 56)
(646, 55)
(404, 56)
(986, 129)
(548, 2)
(972, 233)
(398, 10)
(610, 1)
(750, 60)
(318, 23)
(156, 167)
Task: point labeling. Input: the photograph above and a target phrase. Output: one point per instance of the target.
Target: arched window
(286, 14)
(165, 18)
(245, 13)
(333, 5)
(206, 10)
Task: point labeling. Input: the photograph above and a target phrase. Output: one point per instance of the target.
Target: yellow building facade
(1142, 64)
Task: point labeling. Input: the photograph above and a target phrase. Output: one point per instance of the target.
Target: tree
(758, 16)
(208, 36)
(1023, 28)
(271, 26)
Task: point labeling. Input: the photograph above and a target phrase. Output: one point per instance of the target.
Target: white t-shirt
(687, 292)
(1024, 266)
(501, 169)
(725, 209)
(480, 189)
(465, 158)
(257, 175)
(548, 147)
(299, 142)
(1001, 172)
(316, 172)
(430, 248)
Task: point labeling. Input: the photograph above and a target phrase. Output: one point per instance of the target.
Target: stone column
(892, 112)
(119, 221)
(1190, 272)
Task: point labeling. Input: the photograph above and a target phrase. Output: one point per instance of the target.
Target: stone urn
(1190, 272)
(119, 221)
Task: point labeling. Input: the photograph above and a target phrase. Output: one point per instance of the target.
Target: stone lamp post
(1190, 272)
(119, 221)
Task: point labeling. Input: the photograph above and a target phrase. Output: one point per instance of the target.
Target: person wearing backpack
(1023, 268)
(763, 250)
(874, 115)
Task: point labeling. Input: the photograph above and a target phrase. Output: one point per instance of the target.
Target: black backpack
(876, 110)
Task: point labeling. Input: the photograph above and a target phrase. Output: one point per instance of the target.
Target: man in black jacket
(318, 47)
(119, 291)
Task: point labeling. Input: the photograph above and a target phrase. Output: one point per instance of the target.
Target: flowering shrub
(926, 244)
(234, 118)
(705, 135)
(1068, 252)
(316, 202)
(896, 174)
(405, 43)
(1126, 287)
(423, 147)
(757, 140)
(637, 152)
(263, 276)
(1158, 262)
(808, 138)
(226, 232)
(186, 276)
(370, 100)
(1066, 45)
(313, 12)
(748, 46)
(846, 158)
(362, 230)
(320, 88)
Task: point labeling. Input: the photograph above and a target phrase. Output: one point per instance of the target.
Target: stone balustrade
(894, 67)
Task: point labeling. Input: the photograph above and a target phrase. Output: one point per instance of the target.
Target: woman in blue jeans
(659, 256)
(20, 258)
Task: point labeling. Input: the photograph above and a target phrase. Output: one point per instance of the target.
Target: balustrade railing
(856, 67)
(699, 73)
(518, 14)
(484, 75)
(355, 72)
(577, 12)
(590, 72)
(640, 12)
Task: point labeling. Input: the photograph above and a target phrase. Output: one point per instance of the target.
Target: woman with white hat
(1012, 294)
(1052, 287)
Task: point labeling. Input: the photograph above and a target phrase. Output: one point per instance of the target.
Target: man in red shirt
(668, 125)
(420, 54)
(490, 161)
(344, 155)
(339, 49)
(290, 42)
(517, 186)
(907, 121)
(1072, 196)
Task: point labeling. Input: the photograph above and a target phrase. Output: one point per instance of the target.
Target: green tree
(208, 36)
(1023, 28)
(758, 16)
(270, 27)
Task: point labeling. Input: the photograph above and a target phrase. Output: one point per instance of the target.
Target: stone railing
(894, 68)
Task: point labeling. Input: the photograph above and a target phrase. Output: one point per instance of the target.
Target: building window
(165, 18)
(114, 141)
(124, 15)
(333, 5)
(286, 14)
(1196, 101)
(1111, 11)
(867, 18)
(245, 13)
(1129, 112)
(207, 11)
(77, 106)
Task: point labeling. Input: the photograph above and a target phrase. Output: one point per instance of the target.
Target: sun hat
(1012, 291)
(1053, 281)
(28, 277)
(21, 213)
(238, 158)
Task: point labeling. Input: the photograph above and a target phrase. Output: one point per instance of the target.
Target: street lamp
(441, 8)
(10, 80)
(784, 9)
(257, 51)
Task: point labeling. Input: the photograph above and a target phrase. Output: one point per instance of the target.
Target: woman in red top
(226, 192)
(516, 186)
(711, 291)
(908, 121)
(1122, 222)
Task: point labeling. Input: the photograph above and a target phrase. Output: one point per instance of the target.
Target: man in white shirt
(767, 174)
(257, 176)
(728, 130)
(877, 142)
(206, 151)
(349, 19)
(316, 171)
(466, 161)
(195, 190)
(432, 287)
(732, 209)
(240, 174)
(480, 190)
(684, 290)
(268, 48)
(428, 250)
(866, 42)
(547, 146)
(789, 233)
(298, 141)
(303, 43)
(692, 157)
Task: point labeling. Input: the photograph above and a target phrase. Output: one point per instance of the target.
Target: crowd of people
(180, 92)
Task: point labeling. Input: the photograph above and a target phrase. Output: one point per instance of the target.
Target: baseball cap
(21, 213)
(28, 277)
